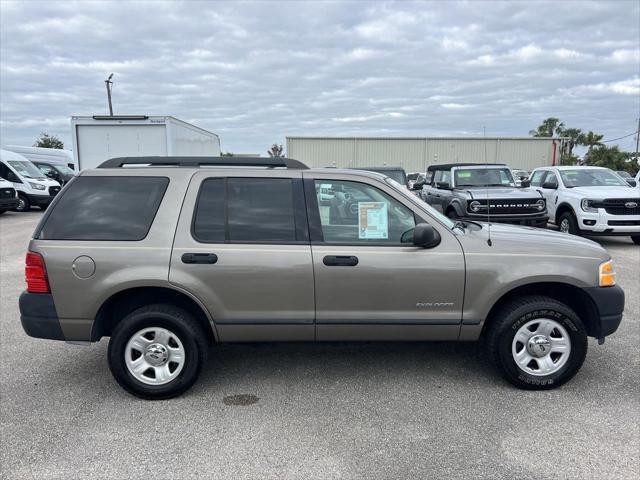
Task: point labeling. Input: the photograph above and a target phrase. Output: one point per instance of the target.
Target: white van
(31, 184)
(46, 155)
(8, 196)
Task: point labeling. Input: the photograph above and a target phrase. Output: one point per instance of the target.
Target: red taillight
(35, 274)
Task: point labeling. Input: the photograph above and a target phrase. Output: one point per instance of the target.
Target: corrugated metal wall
(415, 154)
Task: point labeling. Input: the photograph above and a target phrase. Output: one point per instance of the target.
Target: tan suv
(169, 256)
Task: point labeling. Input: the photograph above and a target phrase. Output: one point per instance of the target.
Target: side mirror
(417, 186)
(549, 185)
(443, 186)
(525, 183)
(425, 236)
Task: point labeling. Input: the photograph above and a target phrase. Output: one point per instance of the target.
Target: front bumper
(8, 203)
(39, 317)
(39, 200)
(528, 219)
(603, 223)
(610, 304)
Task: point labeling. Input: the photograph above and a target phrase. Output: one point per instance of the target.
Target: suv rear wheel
(157, 351)
(537, 343)
(635, 239)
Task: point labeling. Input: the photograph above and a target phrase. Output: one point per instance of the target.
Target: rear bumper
(39, 317)
(610, 304)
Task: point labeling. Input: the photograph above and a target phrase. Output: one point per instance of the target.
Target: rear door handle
(199, 258)
(340, 261)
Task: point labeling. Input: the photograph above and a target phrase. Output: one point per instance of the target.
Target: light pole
(109, 83)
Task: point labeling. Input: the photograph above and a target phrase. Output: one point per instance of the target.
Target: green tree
(611, 157)
(48, 141)
(569, 159)
(548, 128)
(227, 154)
(276, 151)
(591, 140)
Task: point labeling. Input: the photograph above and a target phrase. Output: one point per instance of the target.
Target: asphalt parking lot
(340, 410)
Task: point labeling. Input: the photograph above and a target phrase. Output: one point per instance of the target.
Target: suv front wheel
(157, 351)
(537, 343)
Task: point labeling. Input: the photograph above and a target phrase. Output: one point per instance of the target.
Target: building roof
(302, 137)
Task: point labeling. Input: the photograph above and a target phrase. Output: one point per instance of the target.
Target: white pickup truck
(589, 200)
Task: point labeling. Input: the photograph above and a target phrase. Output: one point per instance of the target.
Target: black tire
(178, 321)
(635, 239)
(451, 214)
(24, 205)
(514, 315)
(2, 211)
(572, 223)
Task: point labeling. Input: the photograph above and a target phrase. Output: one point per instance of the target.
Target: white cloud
(455, 106)
(626, 56)
(258, 71)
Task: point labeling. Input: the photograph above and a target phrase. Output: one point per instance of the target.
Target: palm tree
(591, 140)
(573, 136)
(548, 128)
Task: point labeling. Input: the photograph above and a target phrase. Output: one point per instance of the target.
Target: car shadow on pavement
(438, 362)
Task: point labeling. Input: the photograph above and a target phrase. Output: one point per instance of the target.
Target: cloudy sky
(257, 72)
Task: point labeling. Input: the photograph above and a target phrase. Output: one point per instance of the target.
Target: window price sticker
(373, 220)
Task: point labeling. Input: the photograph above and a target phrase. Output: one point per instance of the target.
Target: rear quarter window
(105, 208)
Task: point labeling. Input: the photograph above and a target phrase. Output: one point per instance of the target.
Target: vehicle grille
(7, 193)
(617, 206)
(507, 206)
(623, 223)
(53, 191)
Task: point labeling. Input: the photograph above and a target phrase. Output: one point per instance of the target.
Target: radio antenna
(484, 135)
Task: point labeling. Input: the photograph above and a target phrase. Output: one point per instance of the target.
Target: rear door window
(105, 208)
(246, 210)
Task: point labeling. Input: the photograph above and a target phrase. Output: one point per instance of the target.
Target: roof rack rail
(272, 162)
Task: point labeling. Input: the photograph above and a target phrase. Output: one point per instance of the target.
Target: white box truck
(99, 138)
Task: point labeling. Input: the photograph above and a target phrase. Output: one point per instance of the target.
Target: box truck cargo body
(98, 138)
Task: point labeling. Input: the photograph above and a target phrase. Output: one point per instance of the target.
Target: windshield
(434, 213)
(483, 177)
(397, 175)
(63, 169)
(591, 178)
(26, 169)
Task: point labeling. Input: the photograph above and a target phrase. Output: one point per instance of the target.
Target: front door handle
(199, 258)
(340, 261)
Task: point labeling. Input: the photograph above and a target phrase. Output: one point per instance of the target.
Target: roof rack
(272, 162)
(448, 166)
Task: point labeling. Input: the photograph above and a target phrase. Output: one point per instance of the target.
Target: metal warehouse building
(414, 154)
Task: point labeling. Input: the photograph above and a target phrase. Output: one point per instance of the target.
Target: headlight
(607, 274)
(540, 204)
(587, 205)
(474, 206)
(37, 186)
